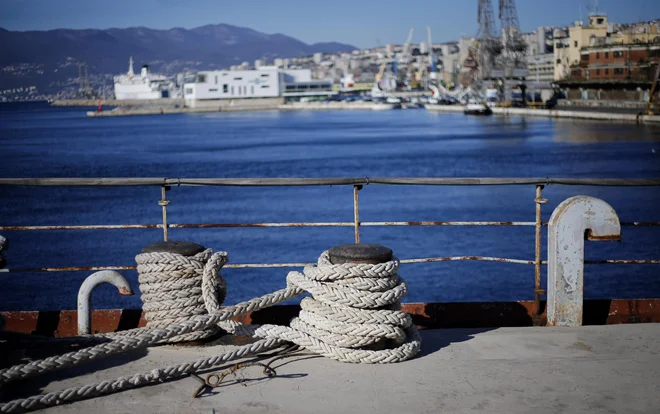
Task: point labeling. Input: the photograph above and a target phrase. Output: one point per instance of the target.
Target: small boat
(477, 108)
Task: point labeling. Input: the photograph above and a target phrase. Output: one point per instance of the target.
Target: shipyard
(362, 208)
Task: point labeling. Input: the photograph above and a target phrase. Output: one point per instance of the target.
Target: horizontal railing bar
(467, 258)
(276, 265)
(83, 227)
(456, 181)
(622, 262)
(295, 224)
(448, 223)
(221, 225)
(65, 269)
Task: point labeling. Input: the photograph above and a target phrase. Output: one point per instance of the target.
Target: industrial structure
(498, 59)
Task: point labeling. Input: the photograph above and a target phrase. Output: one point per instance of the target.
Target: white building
(259, 63)
(222, 86)
(541, 68)
(318, 58)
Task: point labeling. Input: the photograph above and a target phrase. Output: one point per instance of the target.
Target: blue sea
(39, 141)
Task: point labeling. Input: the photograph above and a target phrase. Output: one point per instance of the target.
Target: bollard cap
(178, 247)
(360, 253)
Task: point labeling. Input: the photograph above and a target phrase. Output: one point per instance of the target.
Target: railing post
(571, 221)
(539, 200)
(163, 202)
(356, 212)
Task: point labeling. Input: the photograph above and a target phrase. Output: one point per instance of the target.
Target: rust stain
(125, 291)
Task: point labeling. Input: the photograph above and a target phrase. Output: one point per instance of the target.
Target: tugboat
(474, 107)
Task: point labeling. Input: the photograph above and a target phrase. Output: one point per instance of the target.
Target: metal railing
(357, 183)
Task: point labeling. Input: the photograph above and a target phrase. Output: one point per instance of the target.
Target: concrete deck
(612, 368)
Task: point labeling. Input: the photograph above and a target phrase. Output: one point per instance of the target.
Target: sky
(362, 23)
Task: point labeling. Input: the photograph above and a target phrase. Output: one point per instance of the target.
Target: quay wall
(558, 113)
(229, 103)
(116, 102)
(595, 103)
(323, 106)
(123, 111)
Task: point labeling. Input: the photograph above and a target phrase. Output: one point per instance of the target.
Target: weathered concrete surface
(505, 370)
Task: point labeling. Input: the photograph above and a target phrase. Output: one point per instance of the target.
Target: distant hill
(107, 51)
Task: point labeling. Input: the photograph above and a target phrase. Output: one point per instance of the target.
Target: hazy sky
(363, 23)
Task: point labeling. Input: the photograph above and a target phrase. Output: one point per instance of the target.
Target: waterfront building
(222, 87)
(636, 62)
(541, 68)
(567, 49)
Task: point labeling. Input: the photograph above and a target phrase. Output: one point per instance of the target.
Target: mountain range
(170, 51)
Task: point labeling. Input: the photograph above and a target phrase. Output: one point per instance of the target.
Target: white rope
(352, 316)
(172, 288)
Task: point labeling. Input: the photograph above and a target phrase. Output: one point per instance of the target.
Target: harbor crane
(432, 74)
(498, 56)
(514, 63)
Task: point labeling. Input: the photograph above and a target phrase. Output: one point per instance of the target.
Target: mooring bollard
(172, 276)
(368, 254)
(360, 253)
(183, 248)
(571, 221)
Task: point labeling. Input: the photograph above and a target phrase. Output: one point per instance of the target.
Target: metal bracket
(85, 295)
(572, 221)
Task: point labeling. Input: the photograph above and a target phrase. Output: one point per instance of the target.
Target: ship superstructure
(145, 85)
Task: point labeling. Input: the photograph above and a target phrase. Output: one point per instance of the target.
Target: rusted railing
(357, 183)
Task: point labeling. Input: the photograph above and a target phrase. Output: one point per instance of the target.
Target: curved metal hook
(85, 296)
(572, 221)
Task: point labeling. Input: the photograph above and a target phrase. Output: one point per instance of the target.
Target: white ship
(145, 85)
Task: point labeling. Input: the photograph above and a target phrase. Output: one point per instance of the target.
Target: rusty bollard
(363, 253)
(179, 247)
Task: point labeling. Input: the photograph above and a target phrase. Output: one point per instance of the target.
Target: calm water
(37, 141)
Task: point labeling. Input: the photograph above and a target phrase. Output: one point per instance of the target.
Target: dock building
(264, 84)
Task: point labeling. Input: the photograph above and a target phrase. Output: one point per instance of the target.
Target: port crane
(497, 57)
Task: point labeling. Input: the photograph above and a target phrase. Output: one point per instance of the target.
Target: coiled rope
(352, 315)
(172, 287)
